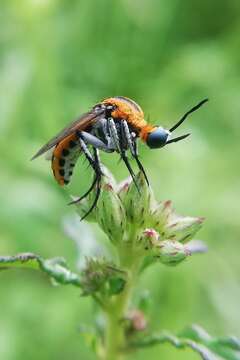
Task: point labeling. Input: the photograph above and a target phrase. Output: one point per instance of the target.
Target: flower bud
(138, 201)
(161, 214)
(148, 239)
(111, 214)
(94, 275)
(172, 252)
(182, 228)
(108, 177)
(123, 188)
(137, 321)
(102, 276)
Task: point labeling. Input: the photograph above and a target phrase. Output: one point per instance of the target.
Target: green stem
(117, 310)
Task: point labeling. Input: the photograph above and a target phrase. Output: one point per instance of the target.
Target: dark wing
(80, 124)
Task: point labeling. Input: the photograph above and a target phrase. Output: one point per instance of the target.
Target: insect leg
(95, 141)
(123, 155)
(125, 159)
(86, 193)
(127, 136)
(92, 163)
(140, 166)
(132, 144)
(98, 173)
(114, 134)
(85, 149)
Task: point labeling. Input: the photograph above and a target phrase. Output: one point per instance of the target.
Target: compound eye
(157, 138)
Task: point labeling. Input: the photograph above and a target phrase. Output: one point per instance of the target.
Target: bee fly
(114, 124)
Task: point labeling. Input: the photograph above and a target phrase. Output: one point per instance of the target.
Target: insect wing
(80, 124)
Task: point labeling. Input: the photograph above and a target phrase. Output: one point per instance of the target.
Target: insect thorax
(102, 131)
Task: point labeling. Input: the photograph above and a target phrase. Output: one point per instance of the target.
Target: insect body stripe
(64, 158)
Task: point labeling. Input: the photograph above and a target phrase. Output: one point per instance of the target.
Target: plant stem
(117, 310)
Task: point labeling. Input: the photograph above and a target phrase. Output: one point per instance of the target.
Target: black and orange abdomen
(64, 158)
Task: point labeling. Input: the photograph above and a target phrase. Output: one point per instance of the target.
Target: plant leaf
(116, 285)
(56, 268)
(23, 260)
(226, 347)
(196, 338)
(178, 343)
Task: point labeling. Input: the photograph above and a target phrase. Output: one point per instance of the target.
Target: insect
(114, 124)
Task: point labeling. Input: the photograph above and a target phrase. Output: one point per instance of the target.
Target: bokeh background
(57, 59)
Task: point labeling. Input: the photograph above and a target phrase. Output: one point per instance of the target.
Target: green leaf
(177, 342)
(196, 333)
(226, 347)
(196, 338)
(116, 285)
(56, 268)
(144, 301)
(231, 341)
(23, 260)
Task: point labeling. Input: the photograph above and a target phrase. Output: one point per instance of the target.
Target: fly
(115, 124)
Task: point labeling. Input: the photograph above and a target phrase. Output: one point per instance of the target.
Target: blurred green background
(57, 59)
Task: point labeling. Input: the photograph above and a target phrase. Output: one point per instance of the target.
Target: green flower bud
(84, 205)
(182, 228)
(161, 214)
(136, 321)
(123, 188)
(138, 201)
(171, 252)
(147, 240)
(102, 277)
(111, 214)
(94, 275)
(108, 177)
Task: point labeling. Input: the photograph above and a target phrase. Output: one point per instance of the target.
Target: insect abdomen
(64, 159)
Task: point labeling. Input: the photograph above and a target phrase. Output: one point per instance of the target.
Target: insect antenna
(179, 138)
(196, 107)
